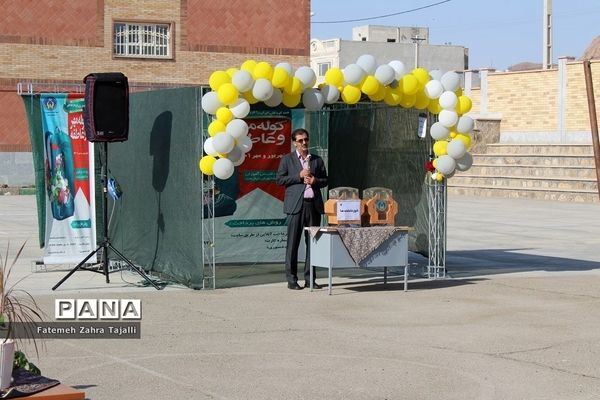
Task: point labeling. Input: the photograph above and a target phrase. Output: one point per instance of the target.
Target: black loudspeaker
(106, 112)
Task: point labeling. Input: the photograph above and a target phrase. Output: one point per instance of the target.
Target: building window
(323, 67)
(391, 40)
(142, 40)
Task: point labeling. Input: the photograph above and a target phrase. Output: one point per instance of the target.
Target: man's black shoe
(315, 285)
(294, 286)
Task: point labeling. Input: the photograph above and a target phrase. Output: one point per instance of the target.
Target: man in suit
(303, 174)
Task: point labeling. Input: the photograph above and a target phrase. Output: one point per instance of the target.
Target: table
(59, 392)
(327, 250)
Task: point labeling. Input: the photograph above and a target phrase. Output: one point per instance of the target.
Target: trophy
(344, 207)
(381, 206)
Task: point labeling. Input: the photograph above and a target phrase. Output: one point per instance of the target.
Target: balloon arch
(234, 90)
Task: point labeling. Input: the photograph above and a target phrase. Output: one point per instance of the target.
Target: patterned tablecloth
(360, 242)
(24, 384)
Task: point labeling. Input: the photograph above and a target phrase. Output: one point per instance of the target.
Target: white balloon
(262, 90)
(450, 80)
(436, 74)
(331, 94)
(240, 108)
(245, 143)
(208, 147)
(398, 67)
(275, 98)
(434, 89)
(236, 155)
(368, 63)
(438, 131)
(307, 76)
(223, 142)
(448, 118)
(211, 103)
(312, 99)
(287, 66)
(242, 80)
(223, 168)
(445, 164)
(353, 74)
(237, 128)
(465, 162)
(448, 100)
(385, 74)
(465, 124)
(456, 148)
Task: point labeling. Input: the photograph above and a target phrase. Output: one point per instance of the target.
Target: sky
(497, 33)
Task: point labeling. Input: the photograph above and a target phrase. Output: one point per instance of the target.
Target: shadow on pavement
(503, 261)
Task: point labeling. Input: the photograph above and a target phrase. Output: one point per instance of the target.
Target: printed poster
(69, 177)
(250, 225)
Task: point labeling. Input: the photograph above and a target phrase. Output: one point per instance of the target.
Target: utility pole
(547, 57)
(416, 40)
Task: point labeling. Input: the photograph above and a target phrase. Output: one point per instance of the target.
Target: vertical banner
(69, 166)
(249, 219)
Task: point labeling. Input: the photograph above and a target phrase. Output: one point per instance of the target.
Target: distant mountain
(593, 50)
(525, 66)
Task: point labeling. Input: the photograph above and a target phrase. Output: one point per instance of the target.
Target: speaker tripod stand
(105, 245)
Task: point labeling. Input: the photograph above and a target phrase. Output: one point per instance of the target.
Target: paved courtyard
(519, 319)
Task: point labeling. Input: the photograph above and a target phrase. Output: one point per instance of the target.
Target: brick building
(52, 45)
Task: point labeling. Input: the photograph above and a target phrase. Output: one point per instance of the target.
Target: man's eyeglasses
(302, 140)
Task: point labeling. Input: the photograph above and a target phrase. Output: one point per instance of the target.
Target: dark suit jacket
(288, 175)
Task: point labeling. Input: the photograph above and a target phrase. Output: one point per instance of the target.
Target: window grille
(142, 40)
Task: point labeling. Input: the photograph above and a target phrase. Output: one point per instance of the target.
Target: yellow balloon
(370, 86)
(466, 139)
(291, 100)
(227, 93)
(224, 115)
(334, 77)
(392, 97)
(380, 95)
(250, 97)
(439, 177)
(434, 106)
(440, 148)
(434, 163)
(422, 76)
(458, 92)
(463, 105)
(294, 86)
(231, 71)
(263, 70)
(351, 94)
(421, 101)
(409, 84)
(206, 165)
(217, 79)
(408, 100)
(215, 127)
(249, 66)
(452, 134)
(280, 78)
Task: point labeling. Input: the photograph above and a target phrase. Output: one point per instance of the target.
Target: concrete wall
(380, 33)
(343, 52)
